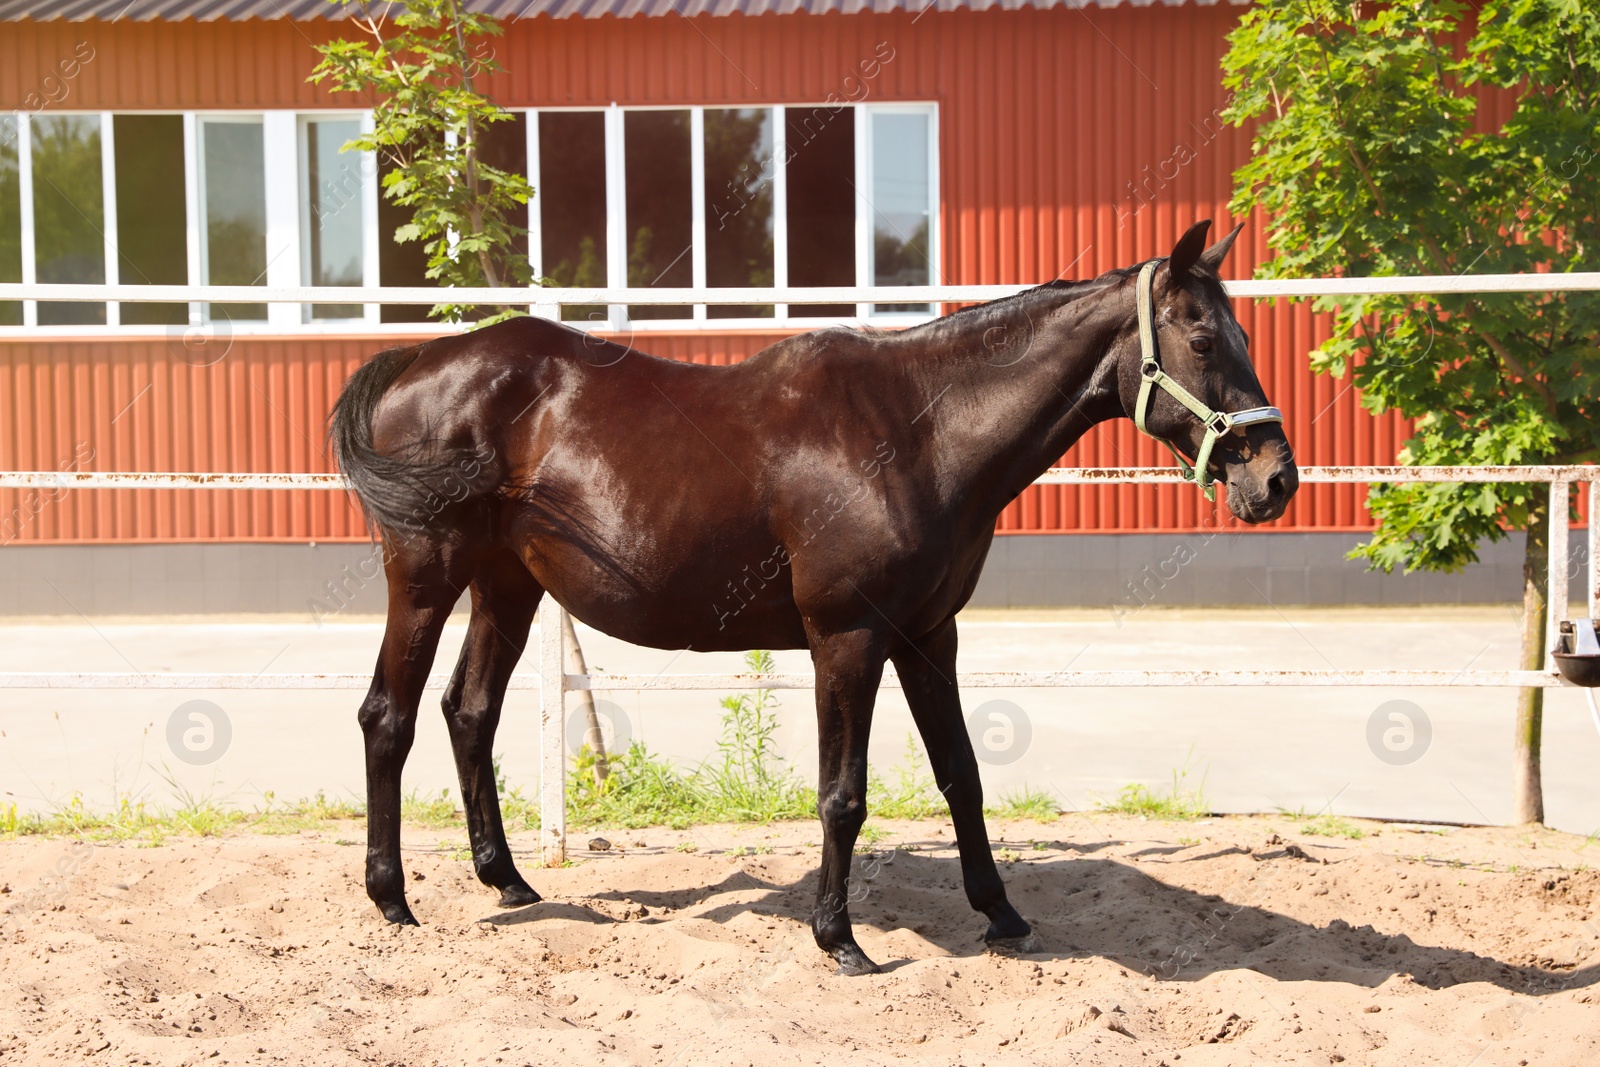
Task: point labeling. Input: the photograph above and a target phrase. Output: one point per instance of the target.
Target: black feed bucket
(1577, 653)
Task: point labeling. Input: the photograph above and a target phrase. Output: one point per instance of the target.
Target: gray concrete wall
(1114, 571)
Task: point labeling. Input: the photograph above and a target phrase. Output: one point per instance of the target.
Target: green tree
(1376, 154)
(421, 69)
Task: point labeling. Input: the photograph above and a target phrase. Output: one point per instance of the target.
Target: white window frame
(616, 222)
(287, 215)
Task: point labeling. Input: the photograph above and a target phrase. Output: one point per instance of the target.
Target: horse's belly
(687, 600)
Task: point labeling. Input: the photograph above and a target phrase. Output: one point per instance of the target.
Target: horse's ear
(1186, 253)
(1212, 257)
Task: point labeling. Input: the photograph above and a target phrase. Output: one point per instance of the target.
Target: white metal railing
(553, 682)
(535, 296)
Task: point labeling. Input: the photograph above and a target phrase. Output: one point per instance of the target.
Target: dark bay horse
(837, 492)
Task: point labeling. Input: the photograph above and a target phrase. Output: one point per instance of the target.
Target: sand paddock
(1228, 941)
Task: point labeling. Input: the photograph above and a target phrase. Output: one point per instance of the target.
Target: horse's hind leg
(927, 671)
(504, 599)
(426, 577)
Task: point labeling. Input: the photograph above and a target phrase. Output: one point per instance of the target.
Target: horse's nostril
(1275, 486)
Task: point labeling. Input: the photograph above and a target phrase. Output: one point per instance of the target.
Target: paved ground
(1256, 750)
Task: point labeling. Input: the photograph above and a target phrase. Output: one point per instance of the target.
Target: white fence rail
(553, 682)
(532, 296)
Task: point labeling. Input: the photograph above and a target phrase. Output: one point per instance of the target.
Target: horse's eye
(1200, 344)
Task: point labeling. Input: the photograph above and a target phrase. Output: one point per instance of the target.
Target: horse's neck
(1025, 381)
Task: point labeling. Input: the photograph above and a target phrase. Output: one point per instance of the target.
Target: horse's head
(1189, 382)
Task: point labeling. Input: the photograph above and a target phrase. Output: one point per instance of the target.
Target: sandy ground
(1227, 941)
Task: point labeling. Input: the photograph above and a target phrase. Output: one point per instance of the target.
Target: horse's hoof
(1015, 946)
(399, 914)
(518, 896)
(852, 961)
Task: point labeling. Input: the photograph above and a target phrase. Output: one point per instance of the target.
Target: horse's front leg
(927, 671)
(849, 667)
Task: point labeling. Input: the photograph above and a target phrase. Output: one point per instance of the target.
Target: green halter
(1151, 375)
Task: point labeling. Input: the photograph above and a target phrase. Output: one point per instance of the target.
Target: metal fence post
(1594, 549)
(552, 736)
(1557, 582)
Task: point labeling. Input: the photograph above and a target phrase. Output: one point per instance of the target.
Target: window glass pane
(659, 207)
(738, 205)
(68, 212)
(152, 242)
(234, 238)
(10, 218)
(334, 208)
(822, 202)
(571, 200)
(504, 145)
(901, 202)
(399, 265)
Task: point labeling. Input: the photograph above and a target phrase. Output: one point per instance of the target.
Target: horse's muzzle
(1260, 491)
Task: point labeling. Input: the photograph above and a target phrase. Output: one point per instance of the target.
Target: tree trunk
(592, 737)
(1527, 790)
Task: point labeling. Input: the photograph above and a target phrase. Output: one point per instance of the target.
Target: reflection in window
(68, 212)
(151, 215)
(902, 208)
(334, 249)
(571, 199)
(822, 203)
(10, 218)
(739, 172)
(234, 205)
(659, 207)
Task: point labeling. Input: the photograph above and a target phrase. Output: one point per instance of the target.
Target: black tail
(415, 487)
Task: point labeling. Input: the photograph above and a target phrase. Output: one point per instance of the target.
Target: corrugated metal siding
(1046, 118)
(322, 10)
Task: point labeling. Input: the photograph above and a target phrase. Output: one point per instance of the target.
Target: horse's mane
(1055, 292)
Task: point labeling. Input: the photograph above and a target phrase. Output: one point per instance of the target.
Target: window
(658, 216)
(902, 207)
(152, 245)
(571, 204)
(709, 198)
(10, 218)
(233, 198)
(738, 205)
(822, 201)
(333, 239)
(68, 212)
(681, 198)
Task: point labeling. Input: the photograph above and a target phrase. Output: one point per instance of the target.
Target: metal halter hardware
(1216, 423)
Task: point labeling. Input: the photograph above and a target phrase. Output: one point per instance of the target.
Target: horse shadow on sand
(1086, 906)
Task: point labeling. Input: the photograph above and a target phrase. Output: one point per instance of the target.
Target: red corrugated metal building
(1068, 139)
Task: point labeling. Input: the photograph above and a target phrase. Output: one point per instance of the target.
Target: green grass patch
(910, 794)
(1028, 803)
(745, 781)
(1178, 803)
(1332, 826)
(189, 816)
